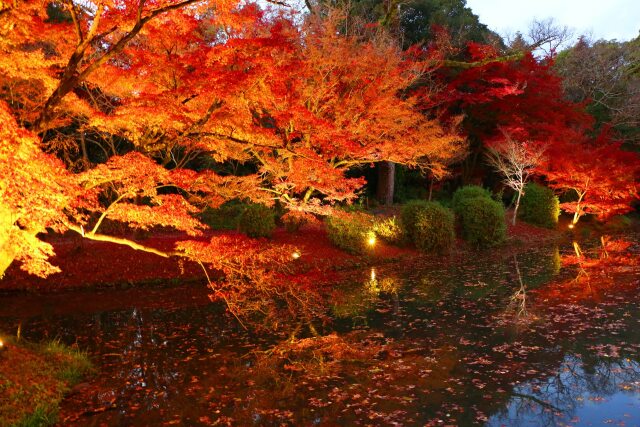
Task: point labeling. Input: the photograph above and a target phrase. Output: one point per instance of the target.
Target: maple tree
(523, 96)
(34, 189)
(602, 175)
(342, 115)
(518, 94)
(516, 161)
(158, 88)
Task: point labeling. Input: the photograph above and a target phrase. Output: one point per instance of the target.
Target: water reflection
(604, 392)
(496, 340)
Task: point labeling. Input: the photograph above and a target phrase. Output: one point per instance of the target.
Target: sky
(601, 19)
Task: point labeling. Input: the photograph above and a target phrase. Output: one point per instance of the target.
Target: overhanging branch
(126, 242)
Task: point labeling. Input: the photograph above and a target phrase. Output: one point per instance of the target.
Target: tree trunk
(7, 252)
(386, 182)
(515, 210)
(576, 214)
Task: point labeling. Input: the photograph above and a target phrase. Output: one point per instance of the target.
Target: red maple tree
(602, 175)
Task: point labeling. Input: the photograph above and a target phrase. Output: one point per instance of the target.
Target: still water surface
(494, 341)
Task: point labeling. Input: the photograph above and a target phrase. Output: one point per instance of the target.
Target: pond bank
(91, 265)
(34, 378)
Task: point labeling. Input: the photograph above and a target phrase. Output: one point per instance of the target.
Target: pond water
(490, 340)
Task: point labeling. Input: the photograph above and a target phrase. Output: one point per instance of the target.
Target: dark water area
(492, 340)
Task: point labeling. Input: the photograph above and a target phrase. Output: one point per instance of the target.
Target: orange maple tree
(34, 190)
(162, 87)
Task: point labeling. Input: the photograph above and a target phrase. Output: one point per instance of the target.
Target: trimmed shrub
(257, 221)
(409, 215)
(350, 231)
(482, 221)
(434, 229)
(465, 193)
(539, 206)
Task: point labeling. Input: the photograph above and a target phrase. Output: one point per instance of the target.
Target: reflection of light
(571, 226)
(373, 274)
(576, 248)
(295, 255)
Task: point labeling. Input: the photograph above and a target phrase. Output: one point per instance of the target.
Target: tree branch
(71, 78)
(125, 242)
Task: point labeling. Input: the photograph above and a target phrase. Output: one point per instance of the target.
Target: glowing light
(571, 226)
(373, 274)
(295, 255)
(1, 345)
(371, 240)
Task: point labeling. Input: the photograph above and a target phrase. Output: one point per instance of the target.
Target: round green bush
(257, 221)
(350, 232)
(465, 193)
(539, 206)
(225, 216)
(409, 215)
(482, 221)
(434, 229)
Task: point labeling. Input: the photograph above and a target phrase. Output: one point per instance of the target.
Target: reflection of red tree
(595, 268)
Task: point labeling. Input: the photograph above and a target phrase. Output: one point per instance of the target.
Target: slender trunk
(7, 251)
(123, 241)
(386, 182)
(605, 254)
(515, 210)
(576, 215)
(83, 147)
(430, 189)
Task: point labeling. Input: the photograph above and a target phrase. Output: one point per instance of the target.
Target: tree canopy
(172, 93)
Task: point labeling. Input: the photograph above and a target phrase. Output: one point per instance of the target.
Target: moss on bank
(34, 378)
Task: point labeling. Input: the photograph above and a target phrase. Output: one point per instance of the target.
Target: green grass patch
(34, 379)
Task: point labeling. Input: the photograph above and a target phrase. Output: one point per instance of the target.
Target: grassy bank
(34, 378)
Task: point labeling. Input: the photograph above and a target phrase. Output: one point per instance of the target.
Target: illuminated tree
(603, 177)
(519, 94)
(34, 189)
(182, 84)
(516, 162)
(347, 111)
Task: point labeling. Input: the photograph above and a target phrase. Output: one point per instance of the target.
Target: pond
(487, 340)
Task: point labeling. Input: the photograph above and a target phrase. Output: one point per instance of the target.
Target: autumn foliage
(521, 99)
(34, 191)
(160, 108)
(601, 175)
(144, 112)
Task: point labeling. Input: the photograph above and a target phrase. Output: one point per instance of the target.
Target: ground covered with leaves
(34, 379)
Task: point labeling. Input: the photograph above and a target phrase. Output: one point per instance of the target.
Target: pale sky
(601, 19)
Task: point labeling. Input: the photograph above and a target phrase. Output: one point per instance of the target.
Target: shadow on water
(495, 341)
